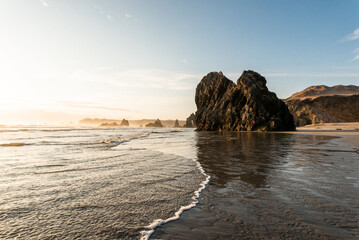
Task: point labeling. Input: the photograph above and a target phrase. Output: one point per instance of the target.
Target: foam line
(117, 142)
(146, 234)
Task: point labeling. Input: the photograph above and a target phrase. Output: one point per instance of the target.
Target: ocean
(125, 183)
(95, 183)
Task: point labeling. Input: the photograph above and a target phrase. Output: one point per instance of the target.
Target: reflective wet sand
(273, 186)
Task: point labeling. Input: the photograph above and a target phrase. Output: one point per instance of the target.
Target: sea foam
(146, 234)
(118, 141)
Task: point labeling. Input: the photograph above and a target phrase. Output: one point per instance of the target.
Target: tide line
(146, 234)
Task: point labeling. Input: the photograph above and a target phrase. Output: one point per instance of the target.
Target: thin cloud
(90, 105)
(342, 75)
(235, 76)
(103, 12)
(143, 78)
(354, 35)
(162, 79)
(127, 15)
(356, 52)
(44, 3)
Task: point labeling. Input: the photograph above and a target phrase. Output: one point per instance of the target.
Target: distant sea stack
(109, 124)
(323, 104)
(191, 121)
(124, 123)
(245, 106)
(142, 122)
(176, 124)
(156, 124)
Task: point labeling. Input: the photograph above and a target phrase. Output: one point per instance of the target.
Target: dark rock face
(191, 121)
(325, 109)
(124, 123)
(176, 124)
(156, 124)
(245, 106)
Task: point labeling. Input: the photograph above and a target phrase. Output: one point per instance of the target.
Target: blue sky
(64, 60)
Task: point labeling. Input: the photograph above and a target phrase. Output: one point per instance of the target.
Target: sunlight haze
(66, 60)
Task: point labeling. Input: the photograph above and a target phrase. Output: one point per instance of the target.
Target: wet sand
(274, 186)
(348, 132)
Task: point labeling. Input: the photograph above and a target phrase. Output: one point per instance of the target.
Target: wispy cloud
(163, 79)
(127, 15)
(356, 52)
(354, 35)
(90, 105)
(235, 76)
(144, 78)
(44, 3)
(103, 12)
(312, 75)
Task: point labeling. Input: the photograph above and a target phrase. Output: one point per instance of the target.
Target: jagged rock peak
(212, 87)
(251, 78)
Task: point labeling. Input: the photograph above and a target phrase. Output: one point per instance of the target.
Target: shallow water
(113, 183)
(59, 183)
(273, 186)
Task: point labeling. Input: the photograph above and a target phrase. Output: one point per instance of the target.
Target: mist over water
(93, 183)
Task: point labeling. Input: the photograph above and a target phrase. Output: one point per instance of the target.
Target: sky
(64, 60)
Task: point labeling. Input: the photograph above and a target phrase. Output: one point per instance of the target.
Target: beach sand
(349, 132)
(298, 185)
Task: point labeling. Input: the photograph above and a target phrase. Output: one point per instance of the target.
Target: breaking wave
(118, 141)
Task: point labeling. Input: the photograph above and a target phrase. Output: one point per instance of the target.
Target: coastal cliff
(245, 106)
(322, 104)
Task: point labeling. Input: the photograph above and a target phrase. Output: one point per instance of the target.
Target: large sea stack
(245, 106)
(321, 104)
